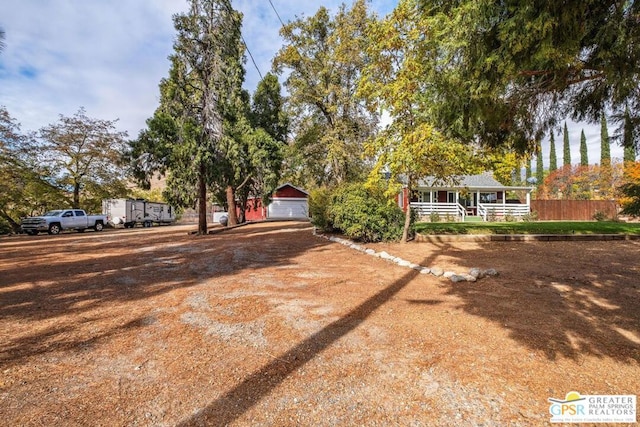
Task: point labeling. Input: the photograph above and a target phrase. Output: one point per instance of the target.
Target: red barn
(287, 202)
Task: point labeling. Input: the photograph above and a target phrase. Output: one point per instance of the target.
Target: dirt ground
(270, 325)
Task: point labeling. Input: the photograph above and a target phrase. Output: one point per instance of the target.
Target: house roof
(287, 184)
(481, 181)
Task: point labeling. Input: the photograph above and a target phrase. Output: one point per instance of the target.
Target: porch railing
(427, 208)
(487, 210)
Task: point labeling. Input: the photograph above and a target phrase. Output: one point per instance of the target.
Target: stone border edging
(473, 275)
(438, 238)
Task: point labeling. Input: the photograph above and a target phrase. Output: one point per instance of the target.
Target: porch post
(529, 200)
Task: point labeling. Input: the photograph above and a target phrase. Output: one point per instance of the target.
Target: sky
(109, 56)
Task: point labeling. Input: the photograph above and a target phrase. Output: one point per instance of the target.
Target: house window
(488, 197)
(422, 196)
(451, 197)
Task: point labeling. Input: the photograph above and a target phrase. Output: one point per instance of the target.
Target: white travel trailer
(130, 212)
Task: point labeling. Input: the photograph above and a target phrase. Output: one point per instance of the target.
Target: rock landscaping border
(473, 275)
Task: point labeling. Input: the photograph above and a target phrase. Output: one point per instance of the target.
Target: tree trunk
(76, 196)
(202, 201)
(231, 203)
(407, 215)
(15, 226)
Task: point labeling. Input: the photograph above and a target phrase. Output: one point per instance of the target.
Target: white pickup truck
(55, 221)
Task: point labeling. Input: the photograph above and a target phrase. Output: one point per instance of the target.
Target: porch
(480, 197)
(458, 212)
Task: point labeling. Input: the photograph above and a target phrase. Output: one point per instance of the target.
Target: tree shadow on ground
(564, 299)
(53, 291)
(257, 385)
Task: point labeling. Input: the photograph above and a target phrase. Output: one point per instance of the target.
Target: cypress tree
(627, 138)
(605, 148)
(528, 172)
(566, 148)
(553, 159)
(584, 156)
(539, 166)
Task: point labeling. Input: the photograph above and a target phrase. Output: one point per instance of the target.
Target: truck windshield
(52, 213)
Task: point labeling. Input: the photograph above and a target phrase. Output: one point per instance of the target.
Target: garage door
(289, 208)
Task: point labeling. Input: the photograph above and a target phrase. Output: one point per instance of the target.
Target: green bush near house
(365, 214)
(319, 205)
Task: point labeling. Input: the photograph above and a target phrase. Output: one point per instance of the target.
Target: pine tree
(566, 148)
(605, 148)
(539, 165)
(528, 172)
(584, 156)
(553, 159)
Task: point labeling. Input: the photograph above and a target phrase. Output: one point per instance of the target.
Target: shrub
(510, 218)
(434, 217)
(530, 217)
(319, 204)
(600, 216)
(365, 214)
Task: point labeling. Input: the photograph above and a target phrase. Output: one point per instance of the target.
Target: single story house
(471, 195)
(287, 202)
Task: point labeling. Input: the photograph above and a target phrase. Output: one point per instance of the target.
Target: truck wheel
(98, 226)
(147, 224)
(54, 229)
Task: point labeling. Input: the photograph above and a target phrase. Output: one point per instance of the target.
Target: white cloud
(110, 55)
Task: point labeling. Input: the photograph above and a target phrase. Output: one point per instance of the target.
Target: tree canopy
(504, 72)
(325, 56)
(83, 156)
(410, 147)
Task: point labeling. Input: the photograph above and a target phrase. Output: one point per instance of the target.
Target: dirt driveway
(270, 325)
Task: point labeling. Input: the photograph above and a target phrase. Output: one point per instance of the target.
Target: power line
(277, 14)
(231, 10)
(251, 56)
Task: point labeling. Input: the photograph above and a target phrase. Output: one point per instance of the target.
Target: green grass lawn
(541, 227)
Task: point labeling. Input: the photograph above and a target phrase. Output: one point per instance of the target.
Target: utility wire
(251, 56)
(277, 14)
(255, 64)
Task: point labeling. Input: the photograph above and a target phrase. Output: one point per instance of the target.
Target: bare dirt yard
(270, 325)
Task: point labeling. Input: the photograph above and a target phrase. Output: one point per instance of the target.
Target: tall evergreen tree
(566, 147)
(584, 155)
(627, 138)
(539, 165)
(553, 158)
(528, 172)
(605, 147)
(188, 136)
(503, 70)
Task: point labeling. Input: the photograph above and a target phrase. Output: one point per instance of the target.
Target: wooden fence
(573, 210)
